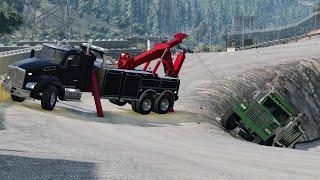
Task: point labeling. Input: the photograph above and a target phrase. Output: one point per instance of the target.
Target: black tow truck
(64, 72)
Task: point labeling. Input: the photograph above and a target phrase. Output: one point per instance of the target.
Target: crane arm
(158, 51)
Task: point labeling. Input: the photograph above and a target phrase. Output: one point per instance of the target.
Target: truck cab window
(46, 53)
(52, 54)
(276, 111)
(73, 61)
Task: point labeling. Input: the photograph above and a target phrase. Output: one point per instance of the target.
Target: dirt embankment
(297, 81)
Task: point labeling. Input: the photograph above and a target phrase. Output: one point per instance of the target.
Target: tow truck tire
(228, 120)
(17, 98)
(49, 98)
(145, 104)
(134, 106)
(163, 104)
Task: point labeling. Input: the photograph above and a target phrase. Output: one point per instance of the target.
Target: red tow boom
(162, 51)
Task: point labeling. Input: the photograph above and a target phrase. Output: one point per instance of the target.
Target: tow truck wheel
(49, 98)
(228, 120)
(163, 104)
(134, 106)
(17, 98)
(145, 104)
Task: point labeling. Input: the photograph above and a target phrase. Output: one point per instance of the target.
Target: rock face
(297, 82)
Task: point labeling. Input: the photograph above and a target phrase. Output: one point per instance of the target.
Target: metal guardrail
(312, 17)
(17, 51)
(277, 42)
(307, 25)
(9, 57)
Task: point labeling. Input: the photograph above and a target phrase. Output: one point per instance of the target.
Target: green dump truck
(269, 120)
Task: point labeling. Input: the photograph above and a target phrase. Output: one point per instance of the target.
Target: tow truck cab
(57, 71)
(269, 120)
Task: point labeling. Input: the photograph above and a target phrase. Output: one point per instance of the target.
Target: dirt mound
(297, 81)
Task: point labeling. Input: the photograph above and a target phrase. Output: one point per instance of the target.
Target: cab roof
(59, 46)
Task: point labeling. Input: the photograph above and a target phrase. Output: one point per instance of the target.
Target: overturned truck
(268, 120)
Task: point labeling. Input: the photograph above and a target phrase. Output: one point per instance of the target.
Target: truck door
(86, 67)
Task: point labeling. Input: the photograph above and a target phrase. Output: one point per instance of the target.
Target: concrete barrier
(9, 57)
(9, 48)
(105, 44)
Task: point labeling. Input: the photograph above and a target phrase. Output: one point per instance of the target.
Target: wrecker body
(64, 72)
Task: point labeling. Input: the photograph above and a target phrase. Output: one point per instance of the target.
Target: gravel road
(72, 143)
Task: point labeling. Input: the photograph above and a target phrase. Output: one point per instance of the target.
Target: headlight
(244, 107)
(31, 85)
(8, 77)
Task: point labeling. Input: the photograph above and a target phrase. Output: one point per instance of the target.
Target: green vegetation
(195, 17)
(104, 19)
(316, 7)
(10, 20)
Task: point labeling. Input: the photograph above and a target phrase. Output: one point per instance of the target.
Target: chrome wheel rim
(164, 105)
(53, 98)
(146, 105)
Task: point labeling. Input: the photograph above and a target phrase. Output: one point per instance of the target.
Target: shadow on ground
(18, 167)
(308, 145)
(121, 116)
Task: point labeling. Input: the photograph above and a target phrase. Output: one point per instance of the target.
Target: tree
(316, 7)
(202, 20)
(10, 20)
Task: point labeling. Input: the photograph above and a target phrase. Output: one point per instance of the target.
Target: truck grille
(258, 115)
(15, 76)
(290, 137)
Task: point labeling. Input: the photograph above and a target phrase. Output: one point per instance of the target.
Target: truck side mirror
(69, 63)
(32, 53)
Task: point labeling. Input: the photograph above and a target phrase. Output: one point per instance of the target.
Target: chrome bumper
(15, 90)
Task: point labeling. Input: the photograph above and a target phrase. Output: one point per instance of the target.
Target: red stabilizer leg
(171, 110)
(96, 94)
(156, 68)
(146, 66)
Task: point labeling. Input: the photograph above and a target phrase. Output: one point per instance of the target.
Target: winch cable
(211, 74)
(213, 77)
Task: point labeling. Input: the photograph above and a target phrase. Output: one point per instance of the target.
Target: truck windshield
(51, 54)
(276, 111)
